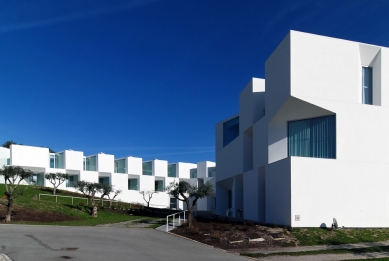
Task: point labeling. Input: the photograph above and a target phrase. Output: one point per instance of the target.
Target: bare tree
(13, 175)
(89, 189)
(147, 195)
(184, 191)
(111, 198)
(53, 178)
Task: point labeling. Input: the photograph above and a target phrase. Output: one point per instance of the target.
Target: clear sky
(149, 78)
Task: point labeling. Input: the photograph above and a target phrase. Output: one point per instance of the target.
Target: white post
(56, 198)
(179, 219)
(174, 216)
(167, 224)
(184, 215)
(72, 201)
(39, 197)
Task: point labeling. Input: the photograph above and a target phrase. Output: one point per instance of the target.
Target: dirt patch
(23, 214)
(228, 235)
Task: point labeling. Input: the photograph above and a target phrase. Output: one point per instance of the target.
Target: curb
(4, 257)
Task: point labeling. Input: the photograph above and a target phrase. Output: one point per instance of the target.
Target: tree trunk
(9, 210)
(94, 211)
(191, 218)
(54, 190)
(110, 203)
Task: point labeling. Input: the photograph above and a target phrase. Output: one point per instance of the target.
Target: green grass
(319, 236)
(321, 252)
(29, 199)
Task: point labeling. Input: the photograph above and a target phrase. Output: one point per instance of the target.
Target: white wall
(4, 156)
(73, 159)
(278, 193)
(159, 168)
(230, 159)
(105, 163)
(134, 165)
(28, 156)
(353, 192)
(183, 169)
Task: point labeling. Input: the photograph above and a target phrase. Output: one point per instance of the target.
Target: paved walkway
(4, 257)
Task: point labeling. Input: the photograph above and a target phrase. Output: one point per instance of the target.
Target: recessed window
(230, 130)
(133, 184)
(314, 138)
(367, 85)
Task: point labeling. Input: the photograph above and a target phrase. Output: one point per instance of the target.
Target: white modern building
(129, 174)
(310, 143)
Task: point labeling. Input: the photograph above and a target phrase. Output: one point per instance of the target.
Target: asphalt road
(28, 243)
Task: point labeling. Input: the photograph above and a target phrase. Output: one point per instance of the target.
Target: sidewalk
(170, 227)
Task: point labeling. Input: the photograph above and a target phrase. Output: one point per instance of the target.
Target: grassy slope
(29, 199)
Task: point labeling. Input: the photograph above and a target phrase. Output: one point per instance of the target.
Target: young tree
(107, 190)
(13, 175)
(184, 191)
(147, 195)
(56, 177)
(89, 189)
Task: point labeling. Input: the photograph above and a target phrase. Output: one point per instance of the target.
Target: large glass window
(172, 170)
(56, 160)
(212, 172)
(314, 138)
(230, 130)
(147, 168)
(193, 173)
(90, 163)
(367, 85)
(104, 180)
(132, 184)
(173, 203)
(159, 185)
(71, 181)
(120, 166)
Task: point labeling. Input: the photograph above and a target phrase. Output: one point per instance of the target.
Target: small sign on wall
(297, 217)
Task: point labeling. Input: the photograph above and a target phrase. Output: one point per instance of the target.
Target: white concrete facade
(130, 174)
(308, 77)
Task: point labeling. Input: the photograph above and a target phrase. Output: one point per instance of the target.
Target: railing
(56, 197)
(174, 218)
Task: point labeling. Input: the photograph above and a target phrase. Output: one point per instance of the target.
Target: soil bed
(24, 214)
(221, 235)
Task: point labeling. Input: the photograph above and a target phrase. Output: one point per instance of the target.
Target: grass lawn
(29, 200)
(319, 236)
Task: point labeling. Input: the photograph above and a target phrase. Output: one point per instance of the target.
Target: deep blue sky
(149, 78)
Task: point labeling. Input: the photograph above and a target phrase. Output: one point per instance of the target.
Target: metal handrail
(174, 215)
(56, 197)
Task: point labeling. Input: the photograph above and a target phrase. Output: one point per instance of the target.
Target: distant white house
(130, 174)
(312, 142)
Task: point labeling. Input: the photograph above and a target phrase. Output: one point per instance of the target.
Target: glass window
(193, 173)
(314, 138)
(159, 185)
(212, 172)
(173, 203)
(104, 180)
(367, 85)
(132, 184)
(147, 168)
(71, 181)
(120, 166)
(172, 170)
(90, 163)
(230, 130)
(52, 161)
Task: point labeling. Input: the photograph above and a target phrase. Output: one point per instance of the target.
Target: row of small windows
(133, 185)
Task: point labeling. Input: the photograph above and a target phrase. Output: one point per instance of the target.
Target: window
(367, 85)
(314, 137)
(120, 166)
(56, 160)
(159, 185)
(193, 173)
(172, 170)
(212, 172)
(132, 184)
(147, 168)
(90, 163)
(173, 203)
(71, 181)
(104, 180)
(230, 130)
